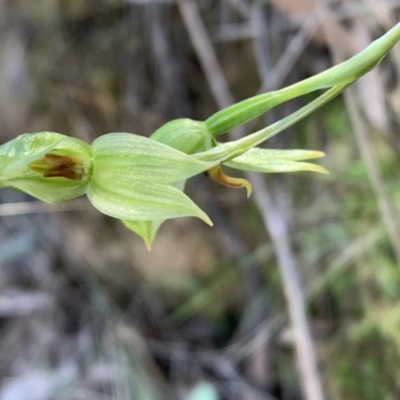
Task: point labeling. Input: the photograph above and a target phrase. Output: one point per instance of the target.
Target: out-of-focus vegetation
(86, 312)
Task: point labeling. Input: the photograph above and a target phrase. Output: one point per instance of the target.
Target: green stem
(344, 73)
(227, 151)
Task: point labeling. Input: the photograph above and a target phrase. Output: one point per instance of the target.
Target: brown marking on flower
(59, 166)
(219, 176)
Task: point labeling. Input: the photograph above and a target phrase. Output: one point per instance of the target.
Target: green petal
(292, 155)
(125, 154)
(147, 230)
(140, 200)
(30, 144)
(18, 153)
(267, 160)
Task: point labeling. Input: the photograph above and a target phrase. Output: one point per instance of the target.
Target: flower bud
(135, 179)
(185, 135)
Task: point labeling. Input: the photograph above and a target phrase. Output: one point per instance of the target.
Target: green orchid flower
(134, 178)
(125, 176)
(141, 180)
(194, 136)
(47, 165)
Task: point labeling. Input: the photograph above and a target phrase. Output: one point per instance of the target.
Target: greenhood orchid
(141, 180)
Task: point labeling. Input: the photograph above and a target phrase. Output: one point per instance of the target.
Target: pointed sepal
(128, 198)
(147, 230)
(125, 154)
(269, 161)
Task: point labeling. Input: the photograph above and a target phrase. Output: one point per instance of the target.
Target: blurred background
(86, 312)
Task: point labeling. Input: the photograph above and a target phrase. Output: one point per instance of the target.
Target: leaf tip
(206, 219)
(148, 244)
(318, 168)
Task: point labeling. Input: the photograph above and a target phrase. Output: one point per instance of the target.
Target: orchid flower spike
(141, 180)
